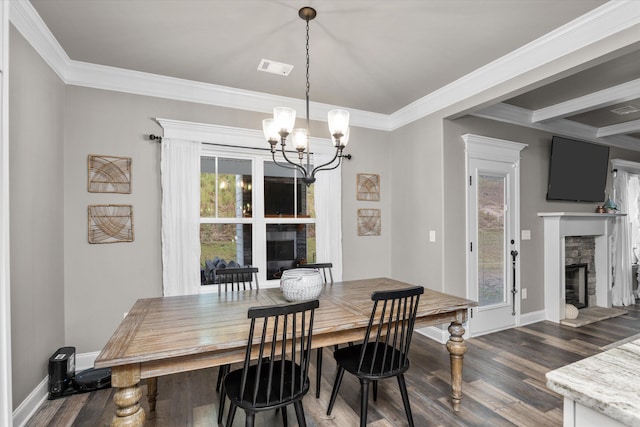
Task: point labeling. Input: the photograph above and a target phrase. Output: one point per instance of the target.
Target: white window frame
(224, 141)
(258, 220)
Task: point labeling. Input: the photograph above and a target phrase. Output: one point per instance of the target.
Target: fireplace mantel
(557, 226)
(580, 214)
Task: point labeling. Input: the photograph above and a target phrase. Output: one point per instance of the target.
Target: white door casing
(496, 163)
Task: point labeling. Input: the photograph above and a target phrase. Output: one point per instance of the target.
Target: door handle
(514, 291)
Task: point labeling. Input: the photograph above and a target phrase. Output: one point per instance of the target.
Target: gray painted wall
(534, 166)
(416, 165)
(366, 256)
(36, 102)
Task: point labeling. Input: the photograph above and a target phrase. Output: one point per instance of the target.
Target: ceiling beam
(600, 99)
(522, 117)
(621, 128)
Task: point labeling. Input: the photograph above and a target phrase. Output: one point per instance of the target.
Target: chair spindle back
(392, 320)
(284, 333)
(237, 279)
(324, 268)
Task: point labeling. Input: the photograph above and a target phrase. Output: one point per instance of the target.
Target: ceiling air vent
(274, 67)
(627, 109)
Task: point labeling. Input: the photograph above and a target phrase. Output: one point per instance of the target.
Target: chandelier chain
(308, 84)
(283, 121)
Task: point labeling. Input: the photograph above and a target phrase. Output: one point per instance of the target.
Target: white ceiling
(372, 55)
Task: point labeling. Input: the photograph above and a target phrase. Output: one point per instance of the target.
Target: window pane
(288, 244)
(225, 242)
(491, 239)
(284, 195)
(225, 188)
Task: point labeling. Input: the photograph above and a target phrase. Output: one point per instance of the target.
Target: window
(252, 212)
(289, 218)
(277, 235)
(225, 212)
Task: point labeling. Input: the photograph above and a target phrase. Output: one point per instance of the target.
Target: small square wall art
(110, 223)
(368, 187)
(369, 223)
(109, 174)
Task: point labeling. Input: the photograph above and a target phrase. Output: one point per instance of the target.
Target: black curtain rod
(153, 137)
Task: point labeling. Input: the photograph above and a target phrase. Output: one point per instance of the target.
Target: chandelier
(278, 128)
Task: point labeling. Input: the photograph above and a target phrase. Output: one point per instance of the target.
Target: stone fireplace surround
(580, 250)
(559, 225)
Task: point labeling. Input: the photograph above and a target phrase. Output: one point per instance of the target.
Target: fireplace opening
(576, 285)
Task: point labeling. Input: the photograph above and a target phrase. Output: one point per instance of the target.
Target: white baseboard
(439, 334)
(85, 360)
(435, 333)
(529, 318)
(30, 405)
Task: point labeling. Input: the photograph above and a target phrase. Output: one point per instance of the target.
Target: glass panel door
(491, 230)
(491, 240)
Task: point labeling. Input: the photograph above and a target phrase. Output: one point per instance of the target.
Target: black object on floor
(92, 379)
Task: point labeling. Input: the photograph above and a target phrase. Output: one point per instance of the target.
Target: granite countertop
(608, 382)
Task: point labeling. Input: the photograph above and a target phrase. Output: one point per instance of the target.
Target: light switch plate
(432, 235)
(526, 235)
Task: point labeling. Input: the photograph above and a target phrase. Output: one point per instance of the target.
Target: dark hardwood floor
(504, 385)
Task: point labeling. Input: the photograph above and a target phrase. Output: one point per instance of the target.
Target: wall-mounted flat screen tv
(577, 170)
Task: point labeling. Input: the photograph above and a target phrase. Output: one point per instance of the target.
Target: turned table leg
(129, 413)
(152, 392)
(457, 348)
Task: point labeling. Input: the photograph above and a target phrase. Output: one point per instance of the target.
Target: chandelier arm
(286, 166)
(326, 169)
(319, 168)
(308, 174)
(297, 166)
(323, 169)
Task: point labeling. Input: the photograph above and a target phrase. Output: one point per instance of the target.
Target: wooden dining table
(167, 335)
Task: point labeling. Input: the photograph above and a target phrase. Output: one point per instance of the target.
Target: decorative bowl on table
(300, 284)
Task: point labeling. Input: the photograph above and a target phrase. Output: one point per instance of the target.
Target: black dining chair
(234, 279)
(385, 349)
(276, 363)
(325, 269)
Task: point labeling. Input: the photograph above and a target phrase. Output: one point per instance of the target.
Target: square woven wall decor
(109, 174)
(369, 222)
(368, 187)
(110, 223)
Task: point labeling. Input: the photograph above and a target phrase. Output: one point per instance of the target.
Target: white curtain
(180, 177)
(622, 292)
(634, 219)
(328, 187)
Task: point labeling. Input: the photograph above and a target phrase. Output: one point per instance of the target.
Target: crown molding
(147, 84)
(27, 21)
(522, 117)
(605, 21)
(625, 165)
(484, 147)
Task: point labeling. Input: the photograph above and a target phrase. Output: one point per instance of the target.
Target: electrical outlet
(432, 235)
(524, 293)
